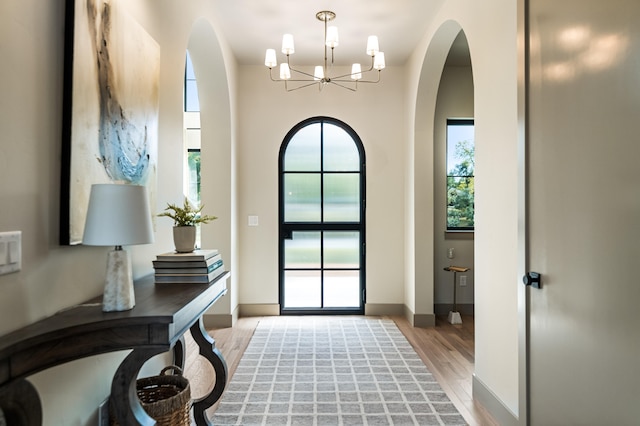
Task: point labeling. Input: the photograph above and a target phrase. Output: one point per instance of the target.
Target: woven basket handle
(177, 370)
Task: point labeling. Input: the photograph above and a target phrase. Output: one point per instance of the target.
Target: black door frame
(287, 228)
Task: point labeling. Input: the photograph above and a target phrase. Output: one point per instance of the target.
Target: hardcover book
(169, 264)
(199, 254)
(189, 278)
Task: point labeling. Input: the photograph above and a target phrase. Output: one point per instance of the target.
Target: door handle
(533, 279)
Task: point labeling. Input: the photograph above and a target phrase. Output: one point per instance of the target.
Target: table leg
(124, 402)
(20, 404)
(207, 346)
(180, 352)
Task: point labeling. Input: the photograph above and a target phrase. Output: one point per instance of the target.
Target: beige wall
(491, 32)
(54, 277)
(267, 113)
(400, 266)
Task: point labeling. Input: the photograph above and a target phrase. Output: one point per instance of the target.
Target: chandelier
(322, 73)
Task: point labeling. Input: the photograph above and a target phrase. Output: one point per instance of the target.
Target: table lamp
(118, 215)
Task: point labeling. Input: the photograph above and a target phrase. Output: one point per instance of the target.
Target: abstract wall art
(110, 111)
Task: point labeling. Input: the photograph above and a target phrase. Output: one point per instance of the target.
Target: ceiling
(252, 26)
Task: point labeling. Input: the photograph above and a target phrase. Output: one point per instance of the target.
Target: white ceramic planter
(184, 238)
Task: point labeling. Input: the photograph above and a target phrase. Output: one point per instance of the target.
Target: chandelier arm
(343, 86)
(303, 73)
(362, 72)
(298, 87)
(279, 80)
(339, 77)
(361, 81)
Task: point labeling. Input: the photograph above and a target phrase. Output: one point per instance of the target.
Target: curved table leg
(20, 404)
(208, 349)
(180, 352)
(124, 403)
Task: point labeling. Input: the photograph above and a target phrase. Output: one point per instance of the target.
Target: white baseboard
(259, 310)
(380, 309)
(503, 415)
(419, 320)
(445, 308)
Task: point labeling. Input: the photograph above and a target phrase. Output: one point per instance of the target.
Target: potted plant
(185, 218)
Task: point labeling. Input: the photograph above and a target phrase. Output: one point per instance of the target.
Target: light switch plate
(253, 220)
(10, 252)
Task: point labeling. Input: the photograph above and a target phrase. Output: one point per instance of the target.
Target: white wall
(491, 32)
(267, 113)
(54, 277)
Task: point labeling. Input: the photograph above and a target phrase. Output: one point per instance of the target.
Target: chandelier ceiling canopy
(322, 75)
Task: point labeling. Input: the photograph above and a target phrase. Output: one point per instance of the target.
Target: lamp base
(118, 287)
(455, 318)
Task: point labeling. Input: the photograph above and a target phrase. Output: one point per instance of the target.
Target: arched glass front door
(322, 219)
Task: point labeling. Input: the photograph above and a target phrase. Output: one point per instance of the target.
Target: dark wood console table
(163, 313)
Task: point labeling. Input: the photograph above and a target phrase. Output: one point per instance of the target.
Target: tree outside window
(460, 174)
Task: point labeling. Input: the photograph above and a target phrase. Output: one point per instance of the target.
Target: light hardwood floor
(447, 350)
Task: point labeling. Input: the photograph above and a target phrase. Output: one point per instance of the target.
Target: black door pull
(532, 279)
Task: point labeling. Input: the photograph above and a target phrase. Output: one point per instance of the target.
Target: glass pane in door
(302, 197)
(302, 289)
(302, 251)
(341, 249)
(341, 289)
(341, 197)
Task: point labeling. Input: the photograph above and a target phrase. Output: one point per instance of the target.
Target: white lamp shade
(287, 44)
(270, 58)
(332, 37)
(285, 72)
(356, 72)
(118, 215)
(378, 62)
(318, 74)
(372, 45)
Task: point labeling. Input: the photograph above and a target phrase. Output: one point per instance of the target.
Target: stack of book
(199, 266)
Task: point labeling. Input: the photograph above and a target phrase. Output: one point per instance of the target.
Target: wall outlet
(451, 253)
(463, 280)
(10, 252)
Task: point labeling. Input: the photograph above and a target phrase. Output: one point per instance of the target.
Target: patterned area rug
(333, 371)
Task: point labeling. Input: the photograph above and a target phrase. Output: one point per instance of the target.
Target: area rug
(332, 371)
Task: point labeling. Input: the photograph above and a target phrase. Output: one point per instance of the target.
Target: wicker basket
(166, 398)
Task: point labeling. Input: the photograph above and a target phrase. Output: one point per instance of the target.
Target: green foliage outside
(193, 160)
(460, 188)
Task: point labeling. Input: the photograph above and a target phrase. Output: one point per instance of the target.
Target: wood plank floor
(447, 350)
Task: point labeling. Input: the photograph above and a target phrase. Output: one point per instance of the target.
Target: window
(191, 123)
(191, 101)
(460, 174)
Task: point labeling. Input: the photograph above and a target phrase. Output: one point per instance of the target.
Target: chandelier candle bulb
(378, 62)
(332, 37)
(318, 74)
(287, 44)
(285, 72)
(270, 58)
(372, 45)
(356, 72)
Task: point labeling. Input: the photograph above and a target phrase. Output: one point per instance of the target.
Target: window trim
(450, 230)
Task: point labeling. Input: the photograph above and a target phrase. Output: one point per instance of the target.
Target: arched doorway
(322, 220)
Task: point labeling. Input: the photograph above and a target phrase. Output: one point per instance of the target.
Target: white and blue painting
(114, 127)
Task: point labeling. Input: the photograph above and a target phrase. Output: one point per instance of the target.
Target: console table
(163, 313)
